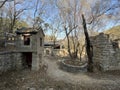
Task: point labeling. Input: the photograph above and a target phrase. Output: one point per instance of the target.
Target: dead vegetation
(25, 79)
(22, 80)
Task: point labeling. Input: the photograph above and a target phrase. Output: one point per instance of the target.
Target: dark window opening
(57, 47)
(26, 40)
(40, 41)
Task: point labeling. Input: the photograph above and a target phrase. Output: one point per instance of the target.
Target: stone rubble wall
(60, 52)
(10, 61)
(71, 68)
(105, 57)
(55, 52)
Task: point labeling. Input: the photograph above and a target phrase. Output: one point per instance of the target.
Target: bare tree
(68, 14)
(15, 14)
(92, 16)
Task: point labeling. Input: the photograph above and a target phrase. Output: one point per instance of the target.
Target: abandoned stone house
(56, 49)
(27, 52)
(106, 53)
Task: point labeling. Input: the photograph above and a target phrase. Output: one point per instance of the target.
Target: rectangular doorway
(27, 59)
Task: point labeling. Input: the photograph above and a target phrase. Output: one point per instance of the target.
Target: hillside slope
(114, 32)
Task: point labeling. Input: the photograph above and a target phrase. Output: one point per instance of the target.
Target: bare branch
(72, 29)
(3, 2)
(103, 12)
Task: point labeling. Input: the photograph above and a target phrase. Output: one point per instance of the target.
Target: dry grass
(22, 80)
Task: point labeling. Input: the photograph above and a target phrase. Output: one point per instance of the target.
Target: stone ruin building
(55, 49)
(106, 53)
(27, 52)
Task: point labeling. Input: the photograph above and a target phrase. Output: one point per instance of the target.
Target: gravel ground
(56, 79)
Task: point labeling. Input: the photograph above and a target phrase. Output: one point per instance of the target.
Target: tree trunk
(68, 42)
(81, 52)
(69, 51)
(88, 46)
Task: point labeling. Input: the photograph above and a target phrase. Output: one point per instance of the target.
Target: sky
(50, 11)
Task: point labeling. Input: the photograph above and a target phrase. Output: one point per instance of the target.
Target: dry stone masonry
(27, 52)
(10, 61)
(106, 53)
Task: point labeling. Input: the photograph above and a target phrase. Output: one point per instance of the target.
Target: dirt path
(99, 80)
(56, 79)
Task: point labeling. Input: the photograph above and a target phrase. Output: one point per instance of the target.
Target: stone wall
(105, 55)
(60, 52)
(55, 52)
(72, 68)
(10, 61)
